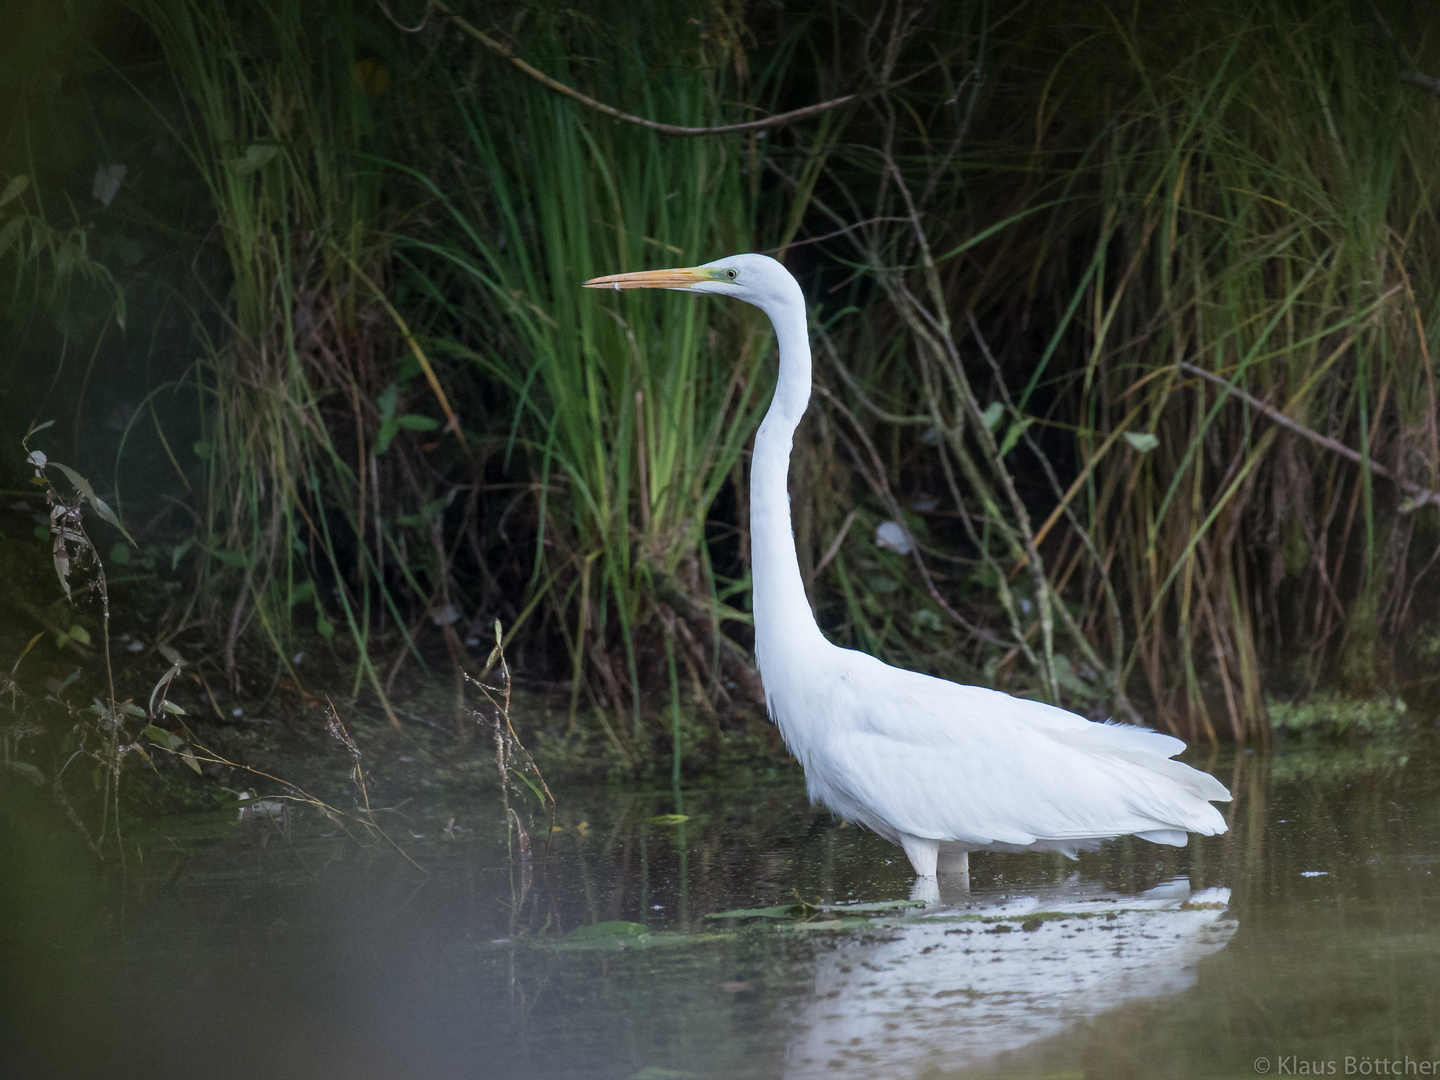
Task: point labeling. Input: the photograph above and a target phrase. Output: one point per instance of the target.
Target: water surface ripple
(1308, 934)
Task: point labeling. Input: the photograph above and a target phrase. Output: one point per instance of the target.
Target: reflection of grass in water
(1335, 737)
(1336, 714)
(1337, 763)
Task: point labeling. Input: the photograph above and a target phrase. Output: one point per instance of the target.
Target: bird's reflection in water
(980, 974)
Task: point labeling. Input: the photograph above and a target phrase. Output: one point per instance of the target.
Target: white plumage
(939, 768)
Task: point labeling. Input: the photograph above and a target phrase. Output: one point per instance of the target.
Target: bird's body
(939, 768)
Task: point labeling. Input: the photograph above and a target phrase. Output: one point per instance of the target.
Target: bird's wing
(938, 760)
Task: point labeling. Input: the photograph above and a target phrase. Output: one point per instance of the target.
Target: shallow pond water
(1306, 938)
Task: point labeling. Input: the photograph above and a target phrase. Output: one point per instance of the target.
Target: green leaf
(25, 769)
(163, 737)
(1142, 441)
(427, 514)
(236, 559)
(992, 414)
(189, 757)
(14, 189)
(83, 486)
(165, 680)
(120, 555)
(386, 402)
(415, 422)
(10, 232)
(1013, 433)
(1070, 679)
(617, 928)
(178, 553)
(669, 819)
(926, 620)
(389, 428)
(80, 634)
(257, 156)
(61, 559)
(325, 627)
(529, 784)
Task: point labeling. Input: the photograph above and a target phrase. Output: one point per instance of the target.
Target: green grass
(279, 125)
(630, 412)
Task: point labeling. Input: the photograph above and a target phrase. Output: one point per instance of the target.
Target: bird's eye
(732, 274)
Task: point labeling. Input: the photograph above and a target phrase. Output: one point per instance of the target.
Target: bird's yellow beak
(682, 278)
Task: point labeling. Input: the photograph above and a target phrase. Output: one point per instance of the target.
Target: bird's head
(756, 279)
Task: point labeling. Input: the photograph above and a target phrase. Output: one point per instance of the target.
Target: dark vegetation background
(1123, 318)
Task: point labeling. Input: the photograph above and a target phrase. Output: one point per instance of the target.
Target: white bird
(938, 768)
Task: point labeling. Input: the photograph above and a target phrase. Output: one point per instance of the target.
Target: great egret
(938, 768)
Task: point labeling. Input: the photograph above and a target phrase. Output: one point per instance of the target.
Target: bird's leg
(954, 862)
(954, 866)
(926, 890)
(921, 853)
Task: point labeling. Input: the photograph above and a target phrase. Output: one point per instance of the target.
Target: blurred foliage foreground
(1123, 318)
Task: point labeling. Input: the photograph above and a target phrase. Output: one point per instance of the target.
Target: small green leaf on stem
(1013, 433)
(14, 189)
(257, 156)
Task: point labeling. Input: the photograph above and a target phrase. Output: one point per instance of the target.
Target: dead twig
(683, 130)
(1416, 496)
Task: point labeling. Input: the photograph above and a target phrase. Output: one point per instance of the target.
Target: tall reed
(1170, 228)
(281, 122)
(630, 413)
(1266, 221)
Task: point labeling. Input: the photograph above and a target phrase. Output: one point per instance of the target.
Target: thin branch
(1416, 496)
(828, 236)
(502, 50)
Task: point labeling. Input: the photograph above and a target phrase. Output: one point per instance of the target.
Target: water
(1305, 939)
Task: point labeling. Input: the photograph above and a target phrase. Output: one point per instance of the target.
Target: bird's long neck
(784, 622)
